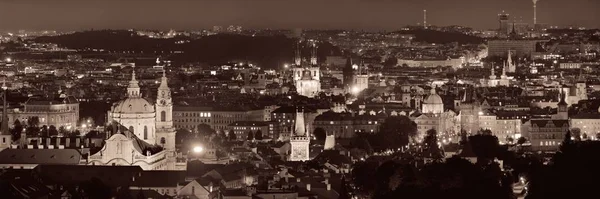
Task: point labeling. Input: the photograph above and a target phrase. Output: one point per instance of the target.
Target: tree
(250, 136)
(44, 131)
(521, 140)
(33, 121)
(576, 134)
(320, 133)
(181, 135)
(16, 131)
(485, 147)
(395, 132)
(62, 130)
(52, 131)
(258, 135)
(432, 148)
(567, 142)
(205, 130)
(486, 132)
(232, 135)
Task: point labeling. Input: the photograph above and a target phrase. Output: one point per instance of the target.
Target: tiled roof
(112, 176)
(167, 179)
(40, 156)
(556, 123)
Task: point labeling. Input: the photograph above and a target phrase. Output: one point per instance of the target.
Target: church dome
(433, 98)
(133, 105)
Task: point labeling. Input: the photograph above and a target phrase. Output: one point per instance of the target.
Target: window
(131, 129)
(163, 141)
(163, 116)
(193, 190)
(145, 132)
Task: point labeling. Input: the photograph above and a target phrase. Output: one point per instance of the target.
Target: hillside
(268, 51)
(438, 37)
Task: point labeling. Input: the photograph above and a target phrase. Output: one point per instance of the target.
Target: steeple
(503, 76)
(492, 75)
(299, 127)
(133, 90)
(298, 56)
(4, 129)
(432, 91)
(313, 56)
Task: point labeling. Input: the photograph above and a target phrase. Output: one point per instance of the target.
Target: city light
(8, 59)
(198, 149)
(355, 90)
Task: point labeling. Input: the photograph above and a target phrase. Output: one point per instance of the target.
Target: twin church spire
(298, 54)
(133, 89)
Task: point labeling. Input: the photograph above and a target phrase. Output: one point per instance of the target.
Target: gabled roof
(555, 123)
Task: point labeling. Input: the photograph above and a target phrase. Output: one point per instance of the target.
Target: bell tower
(164, 121)
(300, 142)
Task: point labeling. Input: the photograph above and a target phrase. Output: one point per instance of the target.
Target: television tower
(425, 19)
(534, 11)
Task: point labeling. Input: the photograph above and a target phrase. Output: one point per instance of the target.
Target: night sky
(318, 14)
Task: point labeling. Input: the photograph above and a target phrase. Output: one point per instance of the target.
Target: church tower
(299, 141)
(313, 56)
(563, 108)
(164, 121)
(298, 56)
(348, 73)
(5, 136)
(511, 65)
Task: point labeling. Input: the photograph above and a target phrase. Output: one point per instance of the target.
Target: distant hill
(268, 51)
(439, 37)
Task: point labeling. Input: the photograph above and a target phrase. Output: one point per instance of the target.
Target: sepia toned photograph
(299, 99)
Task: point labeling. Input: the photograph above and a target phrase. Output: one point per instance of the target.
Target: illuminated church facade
(147, 138)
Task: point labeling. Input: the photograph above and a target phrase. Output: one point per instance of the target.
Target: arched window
(145, 132)
(131, 129)
(163, 116)
(163, 140)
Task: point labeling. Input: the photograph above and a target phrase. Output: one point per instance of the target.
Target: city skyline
(333, 14)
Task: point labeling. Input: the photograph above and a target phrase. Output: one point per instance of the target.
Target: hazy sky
(321, 14)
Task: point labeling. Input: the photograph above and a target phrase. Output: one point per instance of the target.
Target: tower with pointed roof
(511, 65)
(563, 107)
(313, 55)
(165, 133)
(348, 73)
(307, 77)
(5, 136)
(299, 141)
(297, 55)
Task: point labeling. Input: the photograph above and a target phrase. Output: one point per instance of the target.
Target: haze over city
(310, 14)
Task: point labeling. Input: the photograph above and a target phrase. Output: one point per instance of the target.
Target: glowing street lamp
(198, 149)
(8, 59)
(355, 90)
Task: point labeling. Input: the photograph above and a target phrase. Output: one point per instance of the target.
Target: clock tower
(300, 141)
(164, 121)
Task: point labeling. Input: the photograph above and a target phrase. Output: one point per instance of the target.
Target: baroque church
(146, 137)
(433, 115)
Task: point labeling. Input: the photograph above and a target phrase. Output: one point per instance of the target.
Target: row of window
(193, 114)
(193, 120)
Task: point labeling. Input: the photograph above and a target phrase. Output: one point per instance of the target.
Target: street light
(198, 149)
(8, 59)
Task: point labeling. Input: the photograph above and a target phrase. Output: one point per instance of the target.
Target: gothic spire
(298, 56)
(313, 56)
